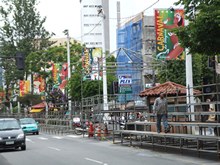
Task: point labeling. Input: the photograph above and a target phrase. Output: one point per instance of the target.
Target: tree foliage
(87, 88)
(174, 70)
(22, 30)
(202, 35)
(40, 62)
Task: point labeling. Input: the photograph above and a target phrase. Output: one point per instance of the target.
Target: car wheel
(37, 133)
(23, 147)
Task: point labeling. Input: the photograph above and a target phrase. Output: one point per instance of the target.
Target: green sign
(125, 89)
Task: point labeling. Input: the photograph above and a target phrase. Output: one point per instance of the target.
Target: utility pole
(66, 32)
(189, 86)
(105, 92)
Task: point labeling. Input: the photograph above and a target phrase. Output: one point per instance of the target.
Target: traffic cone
(99, 132)
(91, 130)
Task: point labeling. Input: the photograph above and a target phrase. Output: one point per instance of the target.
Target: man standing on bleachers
(160, 109)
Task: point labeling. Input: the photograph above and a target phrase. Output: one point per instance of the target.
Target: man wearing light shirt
(160, 109)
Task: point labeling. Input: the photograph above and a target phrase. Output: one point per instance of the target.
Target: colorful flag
(60, 74)
(39, 84)
(91, 62)
(63, 76)
(24, 87)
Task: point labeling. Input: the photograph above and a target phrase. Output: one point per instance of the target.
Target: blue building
(129, 57)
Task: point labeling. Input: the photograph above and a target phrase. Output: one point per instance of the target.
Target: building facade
(91, 23)
(136, 46)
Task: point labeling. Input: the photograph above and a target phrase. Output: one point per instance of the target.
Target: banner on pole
(92, 63)
(39, 84)
(167, 43)
(60, 74)
(24, 87)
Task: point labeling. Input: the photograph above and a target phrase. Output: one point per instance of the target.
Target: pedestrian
(160, 109)
(212, 117)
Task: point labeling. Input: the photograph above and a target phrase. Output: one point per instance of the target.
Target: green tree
(40, 62)
(22, 30)
(174, 70)
(87, 88)
(202, 35)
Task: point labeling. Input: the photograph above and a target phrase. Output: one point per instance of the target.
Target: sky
(65, 14)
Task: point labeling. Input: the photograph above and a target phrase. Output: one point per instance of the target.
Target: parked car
(11, 134)
(29, 125)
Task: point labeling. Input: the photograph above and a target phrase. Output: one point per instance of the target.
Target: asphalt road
(46, 149)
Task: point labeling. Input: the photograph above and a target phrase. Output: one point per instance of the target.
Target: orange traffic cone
(91, 130)
(99, 132)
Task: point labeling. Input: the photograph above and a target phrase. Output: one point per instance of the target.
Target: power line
(133, 16)
(129, 17)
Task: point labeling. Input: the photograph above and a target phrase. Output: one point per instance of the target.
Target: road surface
(47, 149)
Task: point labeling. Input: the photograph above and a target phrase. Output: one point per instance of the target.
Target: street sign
(125, 89)
(124, 80)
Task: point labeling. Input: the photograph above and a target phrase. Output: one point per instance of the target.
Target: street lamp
(66, 32)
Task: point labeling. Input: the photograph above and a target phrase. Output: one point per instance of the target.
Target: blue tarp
(130, 37)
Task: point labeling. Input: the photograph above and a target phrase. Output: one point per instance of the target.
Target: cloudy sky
(65, 14)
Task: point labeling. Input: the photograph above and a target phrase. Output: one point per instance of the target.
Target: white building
(91, 23)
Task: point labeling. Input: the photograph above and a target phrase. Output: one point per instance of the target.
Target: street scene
(110, 82)
(71, 149)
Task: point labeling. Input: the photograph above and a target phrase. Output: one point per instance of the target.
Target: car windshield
(27, 121)
(9, 125)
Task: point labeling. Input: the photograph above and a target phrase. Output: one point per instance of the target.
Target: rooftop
(170, 88)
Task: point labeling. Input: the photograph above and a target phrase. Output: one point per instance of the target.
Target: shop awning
(36, 110)
(39, 106)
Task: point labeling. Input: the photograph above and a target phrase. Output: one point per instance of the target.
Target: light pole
(66, 32)
(104, 77)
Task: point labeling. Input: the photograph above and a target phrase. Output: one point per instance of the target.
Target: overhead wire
(129, 17)
(133, 16)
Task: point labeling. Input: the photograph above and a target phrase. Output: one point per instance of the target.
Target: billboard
(24, 87)
(60, 74)
(167, 43)
(125, 83)
(92, 62)
(39, 84)
(124, 80)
